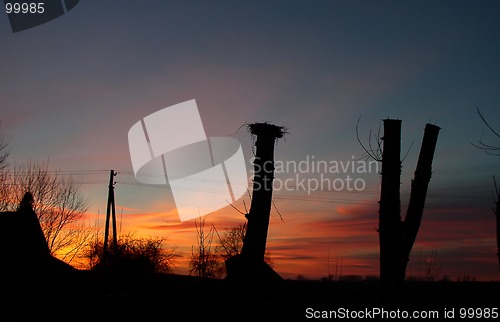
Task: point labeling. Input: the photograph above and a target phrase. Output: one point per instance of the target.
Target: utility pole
(110, 211)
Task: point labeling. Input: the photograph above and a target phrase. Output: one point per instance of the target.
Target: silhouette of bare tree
(57, 201)
(4, 188)
(204, 260)
(4, 153)
(495, 151)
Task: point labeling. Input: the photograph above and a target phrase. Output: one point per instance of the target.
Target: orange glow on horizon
(345, 244)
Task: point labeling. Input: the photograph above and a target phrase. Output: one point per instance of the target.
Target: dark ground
(86, 295)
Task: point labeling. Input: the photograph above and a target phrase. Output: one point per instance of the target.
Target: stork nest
(267, 129)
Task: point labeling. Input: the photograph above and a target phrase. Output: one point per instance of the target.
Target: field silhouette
(97, 295)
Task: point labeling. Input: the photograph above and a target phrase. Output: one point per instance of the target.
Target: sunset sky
(70, 90)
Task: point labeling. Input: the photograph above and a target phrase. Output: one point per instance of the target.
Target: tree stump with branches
(397, 236)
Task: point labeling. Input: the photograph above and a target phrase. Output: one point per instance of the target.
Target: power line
(291, 188)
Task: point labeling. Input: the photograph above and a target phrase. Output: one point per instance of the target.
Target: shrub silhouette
(133, 256)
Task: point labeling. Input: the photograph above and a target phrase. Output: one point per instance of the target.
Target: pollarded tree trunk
(249, 266)
(390, 208)
(254, 245)
(418, 193)
(396, 236)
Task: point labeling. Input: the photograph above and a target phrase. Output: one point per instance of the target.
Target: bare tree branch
(488, 148)
(375, 154)
(486, 123)
(204, 261)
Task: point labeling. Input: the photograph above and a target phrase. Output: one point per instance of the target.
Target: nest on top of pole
(267, 129)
